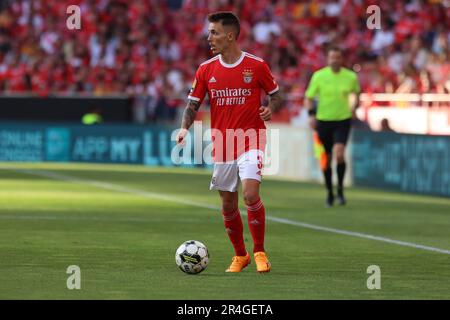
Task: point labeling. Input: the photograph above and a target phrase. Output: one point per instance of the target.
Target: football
(192, 257)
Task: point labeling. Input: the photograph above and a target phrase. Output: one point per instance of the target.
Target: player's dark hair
(335, 49)
(226, 18)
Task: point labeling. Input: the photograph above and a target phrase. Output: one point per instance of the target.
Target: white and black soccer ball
(192, 257)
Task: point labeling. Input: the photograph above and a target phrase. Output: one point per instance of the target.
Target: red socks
(234, 228)
(256, 223)
(256, 217)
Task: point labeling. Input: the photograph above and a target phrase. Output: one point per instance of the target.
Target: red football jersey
(234, 92)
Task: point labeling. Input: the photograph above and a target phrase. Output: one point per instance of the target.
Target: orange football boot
(238, 263)
(262, 262)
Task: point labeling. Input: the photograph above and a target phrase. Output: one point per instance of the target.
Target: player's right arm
(188, 119)
(196, 96)
(309, 105)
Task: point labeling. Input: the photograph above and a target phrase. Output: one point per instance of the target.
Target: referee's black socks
(340, 168)
(328, 174)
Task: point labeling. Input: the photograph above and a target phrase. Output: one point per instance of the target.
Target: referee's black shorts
(331, 132)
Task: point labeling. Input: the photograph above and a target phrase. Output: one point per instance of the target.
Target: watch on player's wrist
(311, 112)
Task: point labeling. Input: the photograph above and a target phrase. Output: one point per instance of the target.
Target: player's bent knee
(339, 153)
(229, 204)
(340, 157)
(229, 207)
(250, 197)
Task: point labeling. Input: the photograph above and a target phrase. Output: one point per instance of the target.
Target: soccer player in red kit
(234, 81)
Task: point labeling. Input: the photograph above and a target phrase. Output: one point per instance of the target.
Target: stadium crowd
(150, 48)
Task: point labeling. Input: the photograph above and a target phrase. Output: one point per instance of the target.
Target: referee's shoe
(340, 195)
(330, 200)
(340, 198)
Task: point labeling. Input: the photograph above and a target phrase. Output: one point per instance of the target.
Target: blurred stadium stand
(149, 50)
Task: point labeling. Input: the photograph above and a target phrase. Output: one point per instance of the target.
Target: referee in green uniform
(331, 86)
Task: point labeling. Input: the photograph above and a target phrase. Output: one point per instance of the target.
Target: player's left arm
(356, 104)
(270, 86)
(275, 102)
(357, 91)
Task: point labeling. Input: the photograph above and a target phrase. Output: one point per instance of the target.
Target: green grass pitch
(122, 224)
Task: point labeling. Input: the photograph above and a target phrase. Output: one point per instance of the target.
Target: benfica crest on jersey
(248, 75)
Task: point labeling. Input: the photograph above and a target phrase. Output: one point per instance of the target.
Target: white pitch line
(358, 234)
(153, 195)
(87, 218)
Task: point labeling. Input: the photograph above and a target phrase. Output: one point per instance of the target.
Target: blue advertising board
(408, 163)
(131, 144)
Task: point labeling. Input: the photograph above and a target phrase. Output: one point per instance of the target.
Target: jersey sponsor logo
(228, 93)
(248, 75)
(212, 80)
(230, 97)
